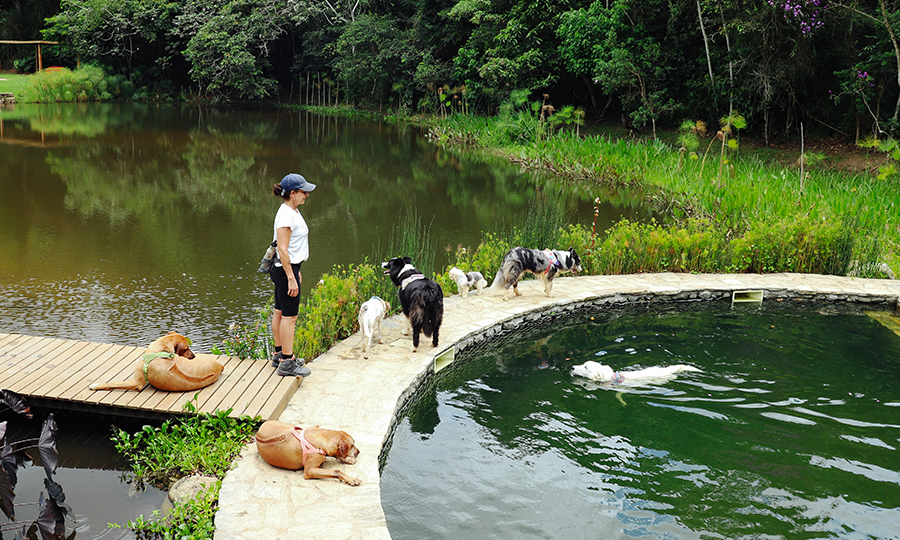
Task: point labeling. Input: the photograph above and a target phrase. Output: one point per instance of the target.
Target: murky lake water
(121, 222)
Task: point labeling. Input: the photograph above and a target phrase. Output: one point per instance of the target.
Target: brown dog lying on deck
(170, 365)
(292, 447)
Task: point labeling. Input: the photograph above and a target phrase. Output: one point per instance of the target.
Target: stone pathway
(347, 392)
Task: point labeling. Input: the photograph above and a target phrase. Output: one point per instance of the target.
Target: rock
(189, 487)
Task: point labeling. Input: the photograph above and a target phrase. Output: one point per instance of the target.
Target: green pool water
(791, 430)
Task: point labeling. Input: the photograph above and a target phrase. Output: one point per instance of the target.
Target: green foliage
(253, 341)
(795, 245)
(227, 44)
(190, 520)
(374, 58)
(891, 148)
(696, 245)
(89, 83)
(330, 312)
(195, 444)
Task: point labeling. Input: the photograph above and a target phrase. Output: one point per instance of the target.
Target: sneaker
(292, 367)
(276, 359)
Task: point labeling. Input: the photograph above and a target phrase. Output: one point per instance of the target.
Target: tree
(119, 33)
(372, 55)
(227, 44)
(623, 55)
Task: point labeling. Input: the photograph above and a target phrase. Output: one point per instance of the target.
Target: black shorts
(288, 305)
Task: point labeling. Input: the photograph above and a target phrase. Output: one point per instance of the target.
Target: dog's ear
(407, 260)
(182, 349)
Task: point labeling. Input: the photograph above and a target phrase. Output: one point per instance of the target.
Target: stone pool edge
(362, 396)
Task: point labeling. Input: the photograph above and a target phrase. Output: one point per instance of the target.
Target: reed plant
(88, 83)
(748, 193)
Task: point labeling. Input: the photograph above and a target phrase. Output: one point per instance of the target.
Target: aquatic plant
(53, 509)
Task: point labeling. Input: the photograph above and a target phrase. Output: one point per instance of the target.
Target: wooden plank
(41, 372)
(122, 372)
(6, 340)
(270, 403)
(26, 360)
(237, 384)
(243, 401)
(212, 395)
(63, 369)
(78, 390)
(279, 399)
(22, 347)
(106, 371)
(65, 373)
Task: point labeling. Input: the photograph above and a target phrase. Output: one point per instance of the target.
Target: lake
(120, 222)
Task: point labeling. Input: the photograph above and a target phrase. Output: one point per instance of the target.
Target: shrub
(89, 83)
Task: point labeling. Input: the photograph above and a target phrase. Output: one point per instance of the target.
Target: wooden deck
(56, 373)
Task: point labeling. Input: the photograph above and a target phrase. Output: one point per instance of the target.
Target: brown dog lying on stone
(169, 365)
(292, 447)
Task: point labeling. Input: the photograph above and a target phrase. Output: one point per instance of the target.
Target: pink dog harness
(306, 447)
(552, 258)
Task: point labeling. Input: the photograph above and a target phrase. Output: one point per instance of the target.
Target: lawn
(14, 83)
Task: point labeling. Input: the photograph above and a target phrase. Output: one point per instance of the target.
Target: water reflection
(119, 222)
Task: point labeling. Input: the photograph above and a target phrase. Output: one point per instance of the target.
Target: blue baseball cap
(294, 181)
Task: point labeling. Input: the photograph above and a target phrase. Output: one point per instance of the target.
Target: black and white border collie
(421, 299)
(542, 263)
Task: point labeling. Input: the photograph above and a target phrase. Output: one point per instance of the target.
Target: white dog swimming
(465, 281)
(604, 374)
(371, 313)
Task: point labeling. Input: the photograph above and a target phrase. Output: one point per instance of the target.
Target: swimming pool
(790, 431)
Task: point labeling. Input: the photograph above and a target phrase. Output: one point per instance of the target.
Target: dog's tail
(363, 320)
(427, 311)
(499, 281)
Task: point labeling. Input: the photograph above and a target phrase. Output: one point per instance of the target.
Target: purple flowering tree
(807, 14)
(887, 16)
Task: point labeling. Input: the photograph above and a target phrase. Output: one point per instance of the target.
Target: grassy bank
(725, 195)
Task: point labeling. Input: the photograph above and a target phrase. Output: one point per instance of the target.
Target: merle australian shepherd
(545, 264)
(421, 299)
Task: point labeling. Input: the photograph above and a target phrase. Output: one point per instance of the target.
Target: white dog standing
(371, 313)
(604, 374)
(465, 281)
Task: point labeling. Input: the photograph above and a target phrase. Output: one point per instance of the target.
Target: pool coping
(362, 396)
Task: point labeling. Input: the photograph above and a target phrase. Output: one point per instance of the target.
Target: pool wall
(365, 397)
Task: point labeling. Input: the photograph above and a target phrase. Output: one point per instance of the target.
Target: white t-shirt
(298, 249)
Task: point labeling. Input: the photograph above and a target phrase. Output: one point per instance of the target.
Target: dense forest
(833, 67)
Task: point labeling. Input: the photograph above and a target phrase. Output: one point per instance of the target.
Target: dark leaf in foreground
(16, 402)
(47, 446)
(2, 430)
(7, 496)
(50, 520)
(56, 492)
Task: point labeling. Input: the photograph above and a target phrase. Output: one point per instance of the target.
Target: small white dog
(465, 281)
(371, 313)
(604, 374)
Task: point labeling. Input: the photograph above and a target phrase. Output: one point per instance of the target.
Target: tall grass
(88, 83)
(747, 196)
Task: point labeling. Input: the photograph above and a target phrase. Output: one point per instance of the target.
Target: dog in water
(170, 365)
(292, 447)
(371, 313)
(606, 375)
(421, 299)
(542, 263)
(467, 280)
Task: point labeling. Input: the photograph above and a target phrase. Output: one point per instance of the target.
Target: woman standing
(292, 236)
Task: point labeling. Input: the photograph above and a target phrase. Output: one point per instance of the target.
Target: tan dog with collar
(169, 365)
(292, 447)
